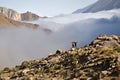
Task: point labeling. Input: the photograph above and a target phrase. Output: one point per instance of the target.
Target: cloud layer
(19, 44)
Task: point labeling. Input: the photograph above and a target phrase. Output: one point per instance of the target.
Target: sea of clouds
(19, 44)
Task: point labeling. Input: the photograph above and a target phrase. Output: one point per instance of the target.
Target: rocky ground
(99, 60)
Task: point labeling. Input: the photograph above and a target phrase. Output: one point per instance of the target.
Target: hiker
(74, 44)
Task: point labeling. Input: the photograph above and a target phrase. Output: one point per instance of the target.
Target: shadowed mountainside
(106, 5)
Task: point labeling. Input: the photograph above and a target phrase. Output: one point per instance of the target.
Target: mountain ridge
(106, 5)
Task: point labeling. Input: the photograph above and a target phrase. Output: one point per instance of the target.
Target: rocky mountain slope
(12, 14)
(5, 21)
(99, 60)
(100, 5)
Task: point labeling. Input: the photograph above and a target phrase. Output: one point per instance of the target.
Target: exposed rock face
(10, 13)
(28, 16)
(93, 62)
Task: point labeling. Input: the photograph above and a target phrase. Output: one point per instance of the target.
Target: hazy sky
(46, 7)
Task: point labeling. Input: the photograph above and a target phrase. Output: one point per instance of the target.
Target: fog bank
(19, 44)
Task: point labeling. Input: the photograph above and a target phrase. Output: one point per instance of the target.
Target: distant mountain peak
(29, 16)
(100, 5)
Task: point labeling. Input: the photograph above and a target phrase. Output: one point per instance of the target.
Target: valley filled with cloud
(19, 44)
